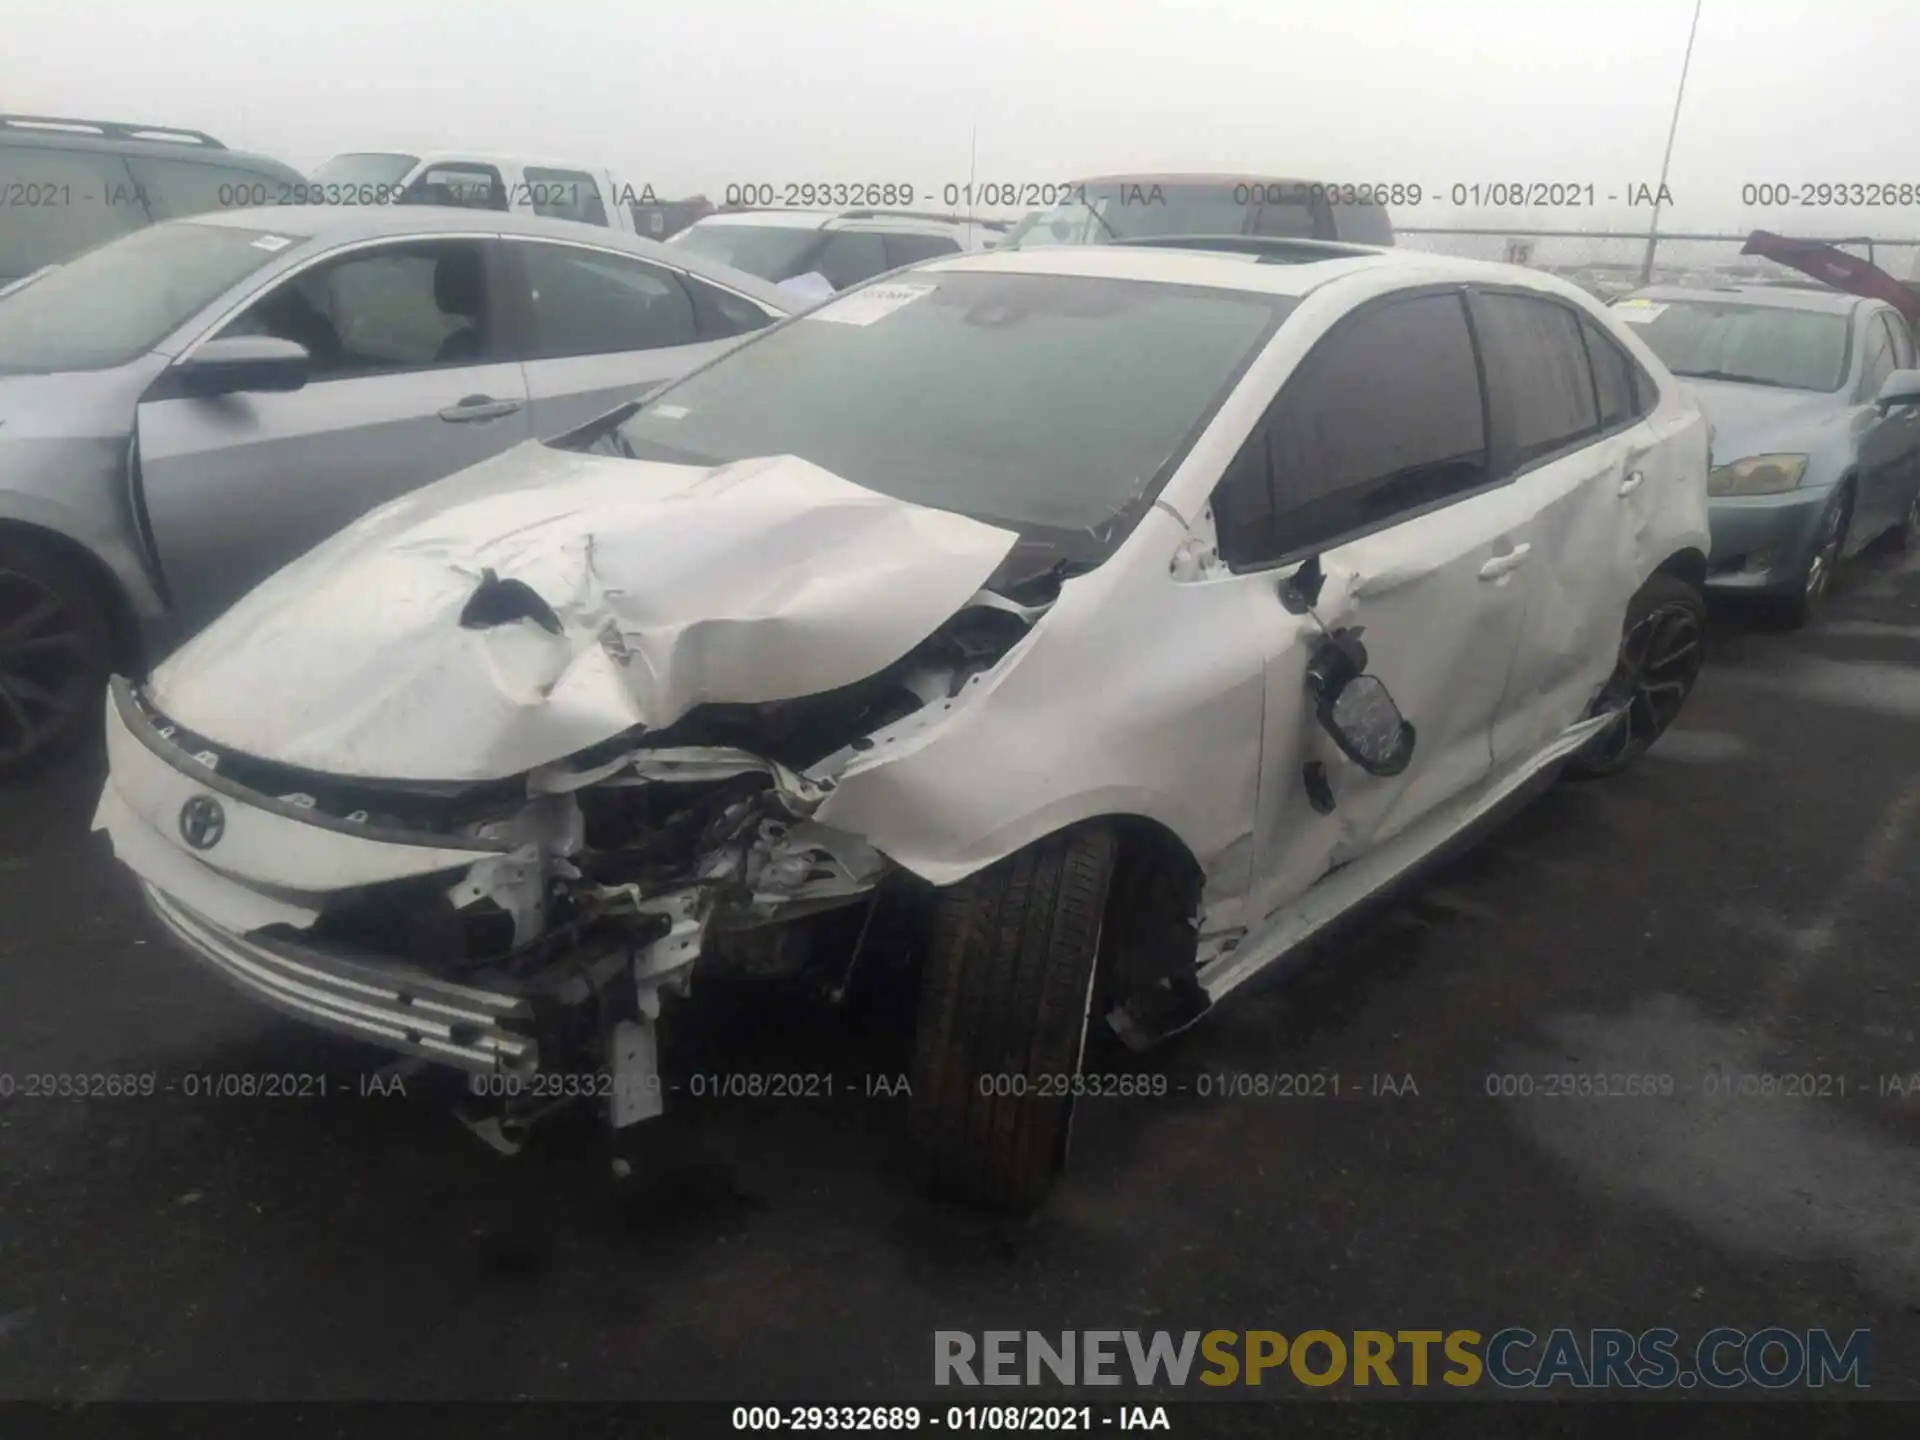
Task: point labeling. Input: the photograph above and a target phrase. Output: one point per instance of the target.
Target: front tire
(55, 654)
(1005, 996)
(1907, 536)
(1817, 576)
(1662, 646)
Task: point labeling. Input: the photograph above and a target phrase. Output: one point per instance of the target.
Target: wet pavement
(1738, 907)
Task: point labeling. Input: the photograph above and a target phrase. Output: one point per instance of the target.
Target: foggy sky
(692, 96)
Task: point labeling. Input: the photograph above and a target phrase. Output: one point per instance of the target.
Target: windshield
(120, 299)
(1054, 405)
(1134, 210)
(1750, 344)
(773, 252)
(365, 169)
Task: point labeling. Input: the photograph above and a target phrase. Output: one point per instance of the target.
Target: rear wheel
(1004, 1001)
(54, 657)
(1662, 646)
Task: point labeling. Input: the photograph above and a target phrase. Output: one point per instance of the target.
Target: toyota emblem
(202, 822)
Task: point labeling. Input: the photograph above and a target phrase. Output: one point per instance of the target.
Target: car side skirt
(1373, 876)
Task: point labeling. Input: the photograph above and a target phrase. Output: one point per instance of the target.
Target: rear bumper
(380, 1001)
(1761, 542)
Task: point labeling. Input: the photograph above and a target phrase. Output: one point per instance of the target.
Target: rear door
(597, 327)
(410, 381)
(1375, 458)
(1589, 472)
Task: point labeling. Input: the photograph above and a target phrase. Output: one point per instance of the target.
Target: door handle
(478, 407)
(1501, 565)
(1632, 483)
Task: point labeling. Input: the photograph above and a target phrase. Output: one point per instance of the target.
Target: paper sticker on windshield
(667, 412)
(1639, 312)
(272, 242)
(863, 307)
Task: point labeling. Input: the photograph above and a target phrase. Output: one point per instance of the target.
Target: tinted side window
(911, 249)
(472, 187)
(189, 187)
(1612, 375)
(412, 306)
(1902, 340)
(850, 256)
(1538, 381)
(590, 302)
(1878, 363)
(720, 313)
(55, 203)
(565, 195)
(1383, 417)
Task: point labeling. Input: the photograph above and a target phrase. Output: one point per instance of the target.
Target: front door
(1374, 461)
(408, 383)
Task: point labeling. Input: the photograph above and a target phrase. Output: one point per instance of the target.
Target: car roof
(1776, 297)
(1219, 269)
(793, 219)
(1198, 178)
(480, 156)
(330, 225)
(127, 139)
(813, 218)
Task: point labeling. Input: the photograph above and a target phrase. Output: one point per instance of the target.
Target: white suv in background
(816, 252)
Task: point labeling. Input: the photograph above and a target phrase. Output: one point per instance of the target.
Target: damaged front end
(533, 925)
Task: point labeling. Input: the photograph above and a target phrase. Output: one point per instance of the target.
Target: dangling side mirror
(1356, 709)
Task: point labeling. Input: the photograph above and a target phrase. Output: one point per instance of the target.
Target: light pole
(1653, 232)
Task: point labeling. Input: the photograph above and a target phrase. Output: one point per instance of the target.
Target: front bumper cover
(400, 1007)
(1748, 526)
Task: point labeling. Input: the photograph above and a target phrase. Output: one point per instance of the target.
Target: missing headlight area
(594, 886)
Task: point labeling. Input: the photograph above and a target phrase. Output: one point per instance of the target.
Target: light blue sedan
(1815, 406)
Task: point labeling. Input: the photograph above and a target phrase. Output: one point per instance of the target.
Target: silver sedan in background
(187, 408)
(1815, 406)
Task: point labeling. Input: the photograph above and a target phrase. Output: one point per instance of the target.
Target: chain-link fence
(1611, 263)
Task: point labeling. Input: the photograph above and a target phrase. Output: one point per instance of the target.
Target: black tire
(55, 655)
(1004, 998)
(1819, 574)
(1661, 617)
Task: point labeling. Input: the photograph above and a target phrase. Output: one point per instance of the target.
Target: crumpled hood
(1761, 420)
(673, 585)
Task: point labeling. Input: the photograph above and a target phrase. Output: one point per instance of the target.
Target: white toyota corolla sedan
(1067, 633)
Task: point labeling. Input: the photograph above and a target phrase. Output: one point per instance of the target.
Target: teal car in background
(1815, 406)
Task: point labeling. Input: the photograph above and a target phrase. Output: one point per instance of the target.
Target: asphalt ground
(1739, 905)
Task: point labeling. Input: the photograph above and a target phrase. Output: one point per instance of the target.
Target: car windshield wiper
(1736, 378)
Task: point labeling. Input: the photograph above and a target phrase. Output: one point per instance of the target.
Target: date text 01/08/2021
(806, 1419)
(200, 1085)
